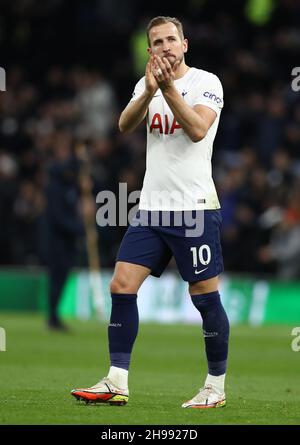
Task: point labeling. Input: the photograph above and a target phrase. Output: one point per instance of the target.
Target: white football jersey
(178, 171)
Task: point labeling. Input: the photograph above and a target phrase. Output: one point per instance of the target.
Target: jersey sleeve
(138, 90)
(210, 93)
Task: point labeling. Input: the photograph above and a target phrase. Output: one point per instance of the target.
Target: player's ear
(149, 50)
(185, 45)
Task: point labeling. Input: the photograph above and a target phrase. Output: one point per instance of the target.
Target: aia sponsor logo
(163, 124)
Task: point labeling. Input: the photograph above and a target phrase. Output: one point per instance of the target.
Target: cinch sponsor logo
(212, 96)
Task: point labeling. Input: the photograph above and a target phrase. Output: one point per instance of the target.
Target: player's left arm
(196, 120)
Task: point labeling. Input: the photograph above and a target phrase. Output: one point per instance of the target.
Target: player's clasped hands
(163, 72)
(159, 74)
(151, 84)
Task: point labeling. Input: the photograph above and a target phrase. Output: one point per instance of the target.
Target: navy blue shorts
(154, 237)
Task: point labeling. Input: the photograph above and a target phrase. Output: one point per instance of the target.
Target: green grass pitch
(39, 368)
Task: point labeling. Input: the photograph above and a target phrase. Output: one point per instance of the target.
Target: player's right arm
(136, 110)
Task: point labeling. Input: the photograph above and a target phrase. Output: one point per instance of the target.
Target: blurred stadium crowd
(71, 67)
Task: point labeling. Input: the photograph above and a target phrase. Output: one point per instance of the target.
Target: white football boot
(207, 397)
(103, 392)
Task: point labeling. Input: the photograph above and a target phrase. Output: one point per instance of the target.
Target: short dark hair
(161, 20)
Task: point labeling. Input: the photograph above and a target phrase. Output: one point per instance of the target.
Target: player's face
(165, 41)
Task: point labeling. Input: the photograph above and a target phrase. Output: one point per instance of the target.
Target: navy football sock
(123, 329)
(215, 330)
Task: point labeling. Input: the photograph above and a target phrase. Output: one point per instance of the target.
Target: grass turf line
(39, 369)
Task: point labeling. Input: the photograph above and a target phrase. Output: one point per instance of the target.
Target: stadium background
(70, 69)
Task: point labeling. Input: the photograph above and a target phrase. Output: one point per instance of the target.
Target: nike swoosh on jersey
(200, 271)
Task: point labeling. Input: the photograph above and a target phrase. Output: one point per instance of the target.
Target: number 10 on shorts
(203, 254)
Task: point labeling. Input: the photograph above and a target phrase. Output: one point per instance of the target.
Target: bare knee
(128, 278)
(123, 282)
(204, 287)
(119, 285)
